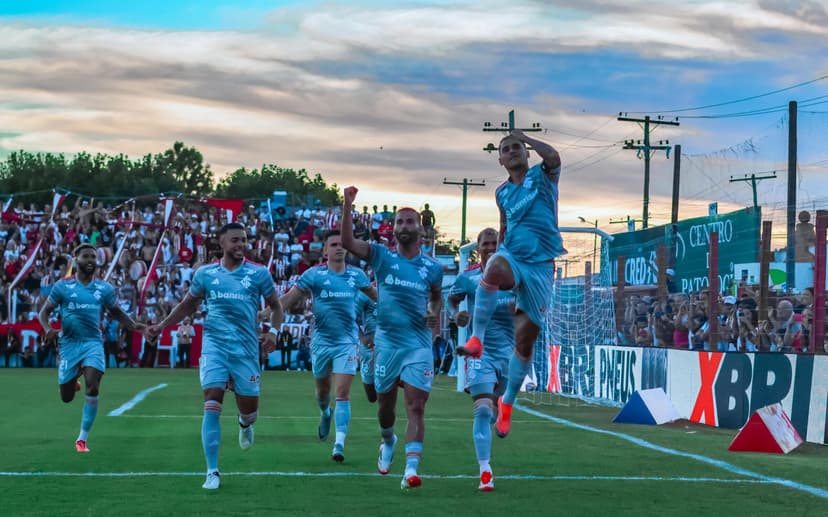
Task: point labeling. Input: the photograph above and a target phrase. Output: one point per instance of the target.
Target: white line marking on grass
(300, 417)
(135, 400)
(528, 477)
(733, 469)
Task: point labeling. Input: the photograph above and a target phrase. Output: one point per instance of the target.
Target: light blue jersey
(334, 303)
(531, 212)
(500, 332)
(81, 308)
(232, 300)
(404, 289)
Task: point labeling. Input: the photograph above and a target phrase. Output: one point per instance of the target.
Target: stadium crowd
(683, 321)
(295, 240)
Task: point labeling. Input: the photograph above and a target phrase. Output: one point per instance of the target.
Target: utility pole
(753, 178)
(594, 237)
(644, 148)
(507, 127)
(630, 223)
(790, 265)
(466, 183)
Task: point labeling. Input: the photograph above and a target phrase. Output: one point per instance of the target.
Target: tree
(259, 183)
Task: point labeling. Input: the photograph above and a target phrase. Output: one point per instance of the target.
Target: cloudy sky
(393, 96)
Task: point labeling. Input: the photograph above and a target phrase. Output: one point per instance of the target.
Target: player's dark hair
(330, 233)
(230, 226)
(80, 247)
(500, 144)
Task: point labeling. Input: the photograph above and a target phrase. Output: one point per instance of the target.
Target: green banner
(739, 240)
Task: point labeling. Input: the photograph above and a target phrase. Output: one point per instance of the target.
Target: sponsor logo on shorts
(429, 373)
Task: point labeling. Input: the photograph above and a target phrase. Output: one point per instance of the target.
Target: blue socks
(482, 429)
(342, 417)
(413, 450)
(518, 370)
(90, 409)
(485, 303)
(211, 433)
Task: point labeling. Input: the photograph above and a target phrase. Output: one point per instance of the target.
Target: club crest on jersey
(423, 272)
(245, 282)
(97, 295)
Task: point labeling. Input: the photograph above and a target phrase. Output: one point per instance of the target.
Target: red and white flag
(168, 210)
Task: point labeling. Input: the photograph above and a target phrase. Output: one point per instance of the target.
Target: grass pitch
(148, 460)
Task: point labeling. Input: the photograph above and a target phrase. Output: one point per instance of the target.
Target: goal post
(581, 315)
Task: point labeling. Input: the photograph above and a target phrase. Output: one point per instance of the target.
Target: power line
(745, 99)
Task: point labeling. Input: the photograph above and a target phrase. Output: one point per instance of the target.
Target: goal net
(581, 316)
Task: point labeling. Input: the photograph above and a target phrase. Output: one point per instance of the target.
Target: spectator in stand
(804, 238)
(427, 220)
(386, 233)
(376, 221)
(699, 338)
(185, 334)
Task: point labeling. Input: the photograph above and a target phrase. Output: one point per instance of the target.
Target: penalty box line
(728, 467)
(135, 400)
(519, 477)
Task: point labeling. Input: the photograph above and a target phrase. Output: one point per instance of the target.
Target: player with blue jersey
(231, 290)
(333, 287)
(410, 299)
(367, 321)
(485, 377)
(525, 260)
(81, 301)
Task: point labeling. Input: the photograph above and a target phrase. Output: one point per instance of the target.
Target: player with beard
(231, 289)
(81, 300)
(334, 288)
(524, 261)
(485, 377)
(410, 299)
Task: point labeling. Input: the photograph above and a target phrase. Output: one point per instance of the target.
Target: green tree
(259, 183)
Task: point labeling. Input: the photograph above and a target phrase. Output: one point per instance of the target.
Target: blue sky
(391, 96)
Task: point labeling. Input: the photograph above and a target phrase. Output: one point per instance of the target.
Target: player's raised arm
(548, 154)
(358, 247)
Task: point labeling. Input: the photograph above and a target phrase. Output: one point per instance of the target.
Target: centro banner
(739, 239)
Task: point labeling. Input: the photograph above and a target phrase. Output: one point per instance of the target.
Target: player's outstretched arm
(124, 319)
(291, 298)
(358, 247)
(186, 307)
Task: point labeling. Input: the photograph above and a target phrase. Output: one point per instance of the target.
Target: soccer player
(525, 259)
(333, 287)
(231, 289)
(367, 321)
(485, 376)
(409, 306)
(80, 300)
